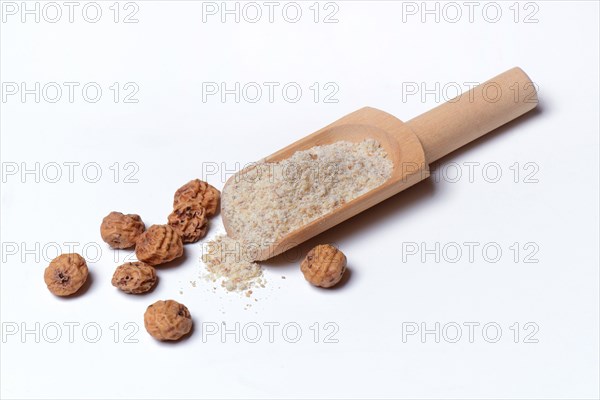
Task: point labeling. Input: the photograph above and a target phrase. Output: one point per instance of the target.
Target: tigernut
(121, 231)
(158, 245)
(324, 266)
(134, 277)
(200, 192)
(66, 274)
(189, 220)
(167, 320)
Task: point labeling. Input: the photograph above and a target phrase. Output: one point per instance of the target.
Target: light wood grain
(411, 146)
(474, 113)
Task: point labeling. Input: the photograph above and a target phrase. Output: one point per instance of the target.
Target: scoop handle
(474, 113)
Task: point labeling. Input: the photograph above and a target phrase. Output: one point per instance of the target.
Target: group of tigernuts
(193, 204)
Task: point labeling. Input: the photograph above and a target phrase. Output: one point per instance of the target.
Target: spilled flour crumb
(226, 261)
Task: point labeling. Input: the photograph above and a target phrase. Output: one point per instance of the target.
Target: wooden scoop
(411, 145)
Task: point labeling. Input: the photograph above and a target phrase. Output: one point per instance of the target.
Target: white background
(373, 56)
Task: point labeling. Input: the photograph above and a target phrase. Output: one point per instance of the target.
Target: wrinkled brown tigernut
(134, 277)
(158, 245)
(66, 274)
(167, 320)
(189, 220)
(121, 231)
(324, 266)
(197, 191)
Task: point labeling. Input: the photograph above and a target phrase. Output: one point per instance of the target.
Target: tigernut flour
(270, 200)
(274, 199)
(227, 260)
